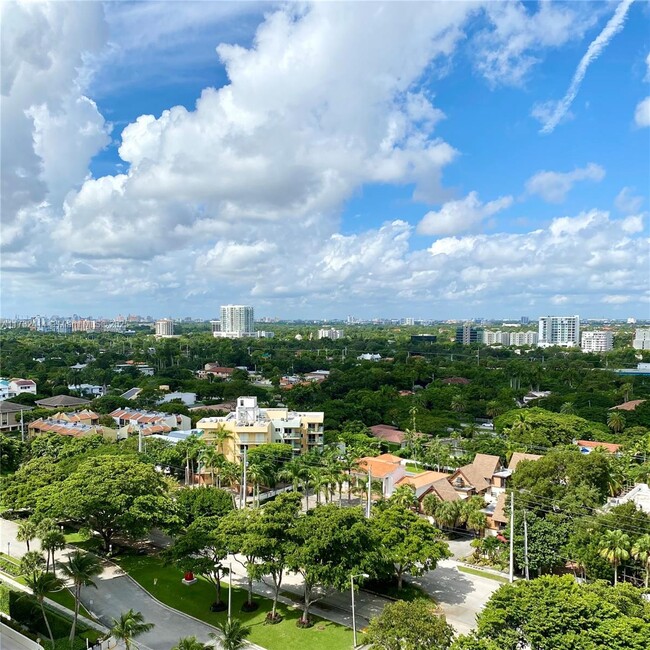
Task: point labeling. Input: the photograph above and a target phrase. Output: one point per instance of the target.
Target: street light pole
(354, 620)
(229, 592)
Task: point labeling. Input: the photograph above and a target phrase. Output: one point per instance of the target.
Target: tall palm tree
(42, 584)
(404, 495)
(257, 474)
(80, 568)
(641, 552)
(128, 626)
(615, 548)
(458, 403)
(430, 504)
(32, 563)
(294, 472)
(27, 531)
(233, 634)
(208, 458)
(221, 434)
(190, 643)
(448, 513)
(616, 421)
(52, 541)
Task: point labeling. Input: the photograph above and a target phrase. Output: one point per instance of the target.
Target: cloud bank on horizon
(375, 159)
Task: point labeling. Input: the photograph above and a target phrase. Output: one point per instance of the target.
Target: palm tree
(32, 563)
(616, 421)
(221, 434)
(458, 403)
(42, 584)
(258, 473)
(189, 643)
(448, 513)
(614, 547)
(233, 632)
(430, 504)
(404, 495)
(641, 552)
(568, 408)
(27, 531)
(129, 625)
(52, 541)
(293, 471)
(476, 521)
(208, 458)
(80, 568)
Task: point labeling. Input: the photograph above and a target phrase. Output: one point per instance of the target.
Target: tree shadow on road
(446, 585)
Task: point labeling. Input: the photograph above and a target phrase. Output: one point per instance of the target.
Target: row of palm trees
(79, 569)
(616, 547)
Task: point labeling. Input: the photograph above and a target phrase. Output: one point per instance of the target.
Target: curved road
(116, 593)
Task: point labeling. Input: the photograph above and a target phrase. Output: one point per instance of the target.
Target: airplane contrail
(614, 25)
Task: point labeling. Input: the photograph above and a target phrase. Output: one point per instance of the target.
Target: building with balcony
(597, 341)
(237, 321)
(249, 426)
(467, 334)
(562, 331)
(641, 339)
(330, 333)
(164, 328)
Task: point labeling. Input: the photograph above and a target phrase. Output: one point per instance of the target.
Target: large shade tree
(111, 495)
(330, 544)
(409, 543)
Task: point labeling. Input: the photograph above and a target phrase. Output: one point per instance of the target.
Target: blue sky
(369, 159)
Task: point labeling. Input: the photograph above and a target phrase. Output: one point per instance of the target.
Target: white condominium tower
(563, 331)
(164, 328)
(597, 341)
(237, 321)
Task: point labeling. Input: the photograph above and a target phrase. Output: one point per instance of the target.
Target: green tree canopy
(411, 625)
(408, 542)
(558, 613)
(111, 495)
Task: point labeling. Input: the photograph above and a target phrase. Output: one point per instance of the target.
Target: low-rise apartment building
(597, 341)
(249, 426)
(12, 387)
(148, 422)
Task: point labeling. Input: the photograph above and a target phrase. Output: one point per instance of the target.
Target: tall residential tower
(563, 331)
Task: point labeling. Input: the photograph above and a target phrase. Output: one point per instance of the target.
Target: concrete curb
(57, 606)
(253, 646)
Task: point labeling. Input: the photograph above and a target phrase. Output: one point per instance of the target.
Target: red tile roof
(611, 447)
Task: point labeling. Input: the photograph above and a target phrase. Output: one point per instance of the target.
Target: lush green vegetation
(164, 582)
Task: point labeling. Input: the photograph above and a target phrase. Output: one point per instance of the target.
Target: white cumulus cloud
(642, 113)
(462, 215)
(554, 186)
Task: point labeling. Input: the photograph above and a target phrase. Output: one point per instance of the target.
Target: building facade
(249, 426)
(641, 339)
(562, 331)
(597, 341)
(237, 321)
(164, 327)
(330, 333)
(468, 334)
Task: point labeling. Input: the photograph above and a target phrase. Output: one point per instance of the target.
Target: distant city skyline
(445, 159)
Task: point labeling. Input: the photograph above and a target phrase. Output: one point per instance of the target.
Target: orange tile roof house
(518, 456)
(388, 433)
(131, 420)
(63, 428)
(385, 468)
(587, 446)
(628, 406)
(422, 482)
(475, 478)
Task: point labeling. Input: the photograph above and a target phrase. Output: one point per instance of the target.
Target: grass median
(164, 582)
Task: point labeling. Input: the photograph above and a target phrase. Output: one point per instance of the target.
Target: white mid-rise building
(563, 331)
(237, 321)
(164, 327)
(641, 339)
(330, 333)
(597, 341)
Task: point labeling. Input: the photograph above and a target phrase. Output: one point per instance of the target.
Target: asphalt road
(117, 593)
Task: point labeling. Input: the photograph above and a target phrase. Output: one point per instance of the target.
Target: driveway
(117, 593)
(461, 596)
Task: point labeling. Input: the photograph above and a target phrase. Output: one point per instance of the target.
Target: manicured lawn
(483, 574)
(196, 599)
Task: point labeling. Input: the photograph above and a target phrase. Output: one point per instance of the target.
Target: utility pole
(22, 427)
(512, 536)
(140, 440)
(526, 545)
(369, 493)
(187, 468)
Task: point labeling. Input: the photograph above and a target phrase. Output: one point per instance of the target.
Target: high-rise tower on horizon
(237, 321)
